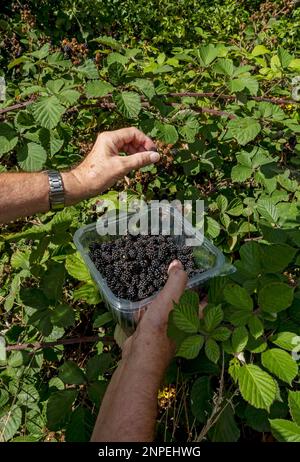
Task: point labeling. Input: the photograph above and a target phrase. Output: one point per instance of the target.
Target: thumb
(140, 159)
(175, 284)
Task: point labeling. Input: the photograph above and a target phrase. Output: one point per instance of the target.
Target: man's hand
(104, 166)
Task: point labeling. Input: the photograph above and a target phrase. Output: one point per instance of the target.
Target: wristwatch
(56, 190)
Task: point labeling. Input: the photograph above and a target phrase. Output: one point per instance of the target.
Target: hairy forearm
(24, 194)
(129, 408)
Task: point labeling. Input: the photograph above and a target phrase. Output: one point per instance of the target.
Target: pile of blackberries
(136, 266)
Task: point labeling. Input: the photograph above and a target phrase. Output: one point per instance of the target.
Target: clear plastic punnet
(206, 255)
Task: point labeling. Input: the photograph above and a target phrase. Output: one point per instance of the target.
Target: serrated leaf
(10, 422)
(97, 365)
(225, 429)
(238, 296)
(76, 267)
(59, 408)
(256, 386)
(166, 133)
(268, 210)
(128, 103)
(185, 313)
(275, 297)
(234, 368)
(213, 317)
(63, 316)
(285, 340)
(285, 430)
(294, 405)
(145, 86)
(102, 319)
(201, 394)
(221, 334)
(98, 88)
(206, 54)
(224, 66)
(88, 292)
(256, 327)
(239, 339)
(70, 373)
(48, 111)
(8, 138)
(240, 173)
(212, 350)
(81, 425)
(260, 50)
(32, 157)
(190, 347)
(280, 363)
(244, 129)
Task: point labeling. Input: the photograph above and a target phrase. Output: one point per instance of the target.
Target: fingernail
(175, 265)
(154, 156)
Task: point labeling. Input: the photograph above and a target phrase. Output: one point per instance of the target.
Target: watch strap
(56, 190)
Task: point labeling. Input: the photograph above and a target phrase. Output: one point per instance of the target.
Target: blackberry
(135, 267)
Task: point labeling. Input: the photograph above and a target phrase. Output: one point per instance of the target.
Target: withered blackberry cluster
(136, 266)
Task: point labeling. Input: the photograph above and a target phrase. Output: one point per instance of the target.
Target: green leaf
(128, 103)
(69, 97)
(145, 86)
(81, 425)
(234, 369)
(285, 340)
(8, 138)
(206, 54)
(239, 339)
(225, 429)
(102, 319)
(53, 280)
(285, 430)
(88, 292)
(244, 129)
(275, 297)
(96, 391)
(221, 334)
(256, 327)
(166, 133)
(48, 111)
(267, 210)
(285, 58)
(4, 397)
(212, 350)
(238, 296)
(276, 257)
(240, 173)
(190, 347)
(98, 88)
(63, 316)
(32, 157)
(59, 408)
(260, 50)
(97, 365)
(10, 422)
(213, 317)
(76, 267)
(256, 386)
(224, 66)
(294, 405)
(280, 363)
(185, 314)
(70, 373)
(201, 396)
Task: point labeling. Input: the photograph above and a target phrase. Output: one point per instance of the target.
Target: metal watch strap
(56, 190)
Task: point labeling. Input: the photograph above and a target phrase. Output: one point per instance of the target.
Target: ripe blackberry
(135, 267)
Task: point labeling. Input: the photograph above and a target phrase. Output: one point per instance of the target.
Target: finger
(131, 136)
(176, 282)
(138, 160)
